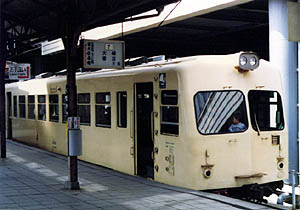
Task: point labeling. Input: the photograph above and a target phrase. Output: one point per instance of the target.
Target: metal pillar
(2, 84)
(284, 55)
(299, 107)
(70, 41)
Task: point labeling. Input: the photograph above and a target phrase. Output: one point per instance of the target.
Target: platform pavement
(31, 178)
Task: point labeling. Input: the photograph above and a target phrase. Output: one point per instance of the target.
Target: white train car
(203, 122)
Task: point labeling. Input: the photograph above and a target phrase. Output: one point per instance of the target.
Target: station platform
(31, 178)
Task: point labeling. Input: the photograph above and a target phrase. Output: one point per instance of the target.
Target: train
(207, 122)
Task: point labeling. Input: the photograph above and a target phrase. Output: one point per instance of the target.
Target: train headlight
(243, 61)
(248, 61)
(253, 61)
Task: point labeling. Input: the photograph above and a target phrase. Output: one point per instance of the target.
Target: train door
(9, 115)
(144, 142)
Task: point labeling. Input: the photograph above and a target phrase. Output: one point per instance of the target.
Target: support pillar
(284, 55)
(298, 108)
(2, 84)
(70, 41)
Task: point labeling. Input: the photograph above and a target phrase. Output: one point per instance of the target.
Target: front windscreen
(266, 110)
(220, 112)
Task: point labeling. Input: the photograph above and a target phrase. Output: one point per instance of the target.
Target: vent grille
(275, 139)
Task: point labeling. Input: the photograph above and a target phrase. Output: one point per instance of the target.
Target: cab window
(220, 112)
(266, 111)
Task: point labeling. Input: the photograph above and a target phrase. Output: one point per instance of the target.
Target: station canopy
(28, 22)
(218, 30)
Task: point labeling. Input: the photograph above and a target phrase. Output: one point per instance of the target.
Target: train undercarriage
(253, 192)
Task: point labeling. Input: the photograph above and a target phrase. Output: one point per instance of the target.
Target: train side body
(183, 159)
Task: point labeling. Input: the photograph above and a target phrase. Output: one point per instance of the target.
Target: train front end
(239, 137)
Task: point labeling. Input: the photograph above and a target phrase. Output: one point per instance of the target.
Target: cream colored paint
(231, 155)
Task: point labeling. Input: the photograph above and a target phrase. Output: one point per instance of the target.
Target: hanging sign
(103, 54)
(19, 71)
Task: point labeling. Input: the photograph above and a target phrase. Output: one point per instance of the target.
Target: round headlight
(253, 61)
(243, 60)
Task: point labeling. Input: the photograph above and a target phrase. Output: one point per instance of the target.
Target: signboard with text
(19, 71)
(103, 54)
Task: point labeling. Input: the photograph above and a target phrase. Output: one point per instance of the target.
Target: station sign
(19, 71)
(103, 54)
(50, 47)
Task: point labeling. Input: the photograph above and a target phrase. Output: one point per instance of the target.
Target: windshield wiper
(256, 124)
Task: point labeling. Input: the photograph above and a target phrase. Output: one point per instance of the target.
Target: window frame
(119, 110)
(15, 106)
(23, 104)
(245, 112)
(30, 104)
(84, 104)
(53, 104)
(161, 122)
(104, 104)
(281, 100)
(42, 104)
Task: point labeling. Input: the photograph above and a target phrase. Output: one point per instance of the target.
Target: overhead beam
(240, 15)
(21, 22)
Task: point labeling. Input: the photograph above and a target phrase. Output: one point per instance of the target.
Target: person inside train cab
(236, 125)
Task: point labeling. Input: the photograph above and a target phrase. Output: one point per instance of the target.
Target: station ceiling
(240, 28)
(32, 21)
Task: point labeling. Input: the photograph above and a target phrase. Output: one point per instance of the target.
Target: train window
(53, 108)
(103, 98)
(64, 115)
(83, 98)
(22, 109)
(169, 97)
(169, 122)
(15, 107)
(42, 107)
(103, 110)
(31, 107)
(219, 112)
(42, 99)
(122, 109)
(84, 108)
(266, 111)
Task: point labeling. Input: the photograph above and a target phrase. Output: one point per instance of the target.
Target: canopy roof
(32, 21)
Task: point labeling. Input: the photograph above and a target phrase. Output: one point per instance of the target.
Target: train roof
(161, 66)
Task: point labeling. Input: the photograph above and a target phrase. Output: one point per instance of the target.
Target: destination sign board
(103, 54)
